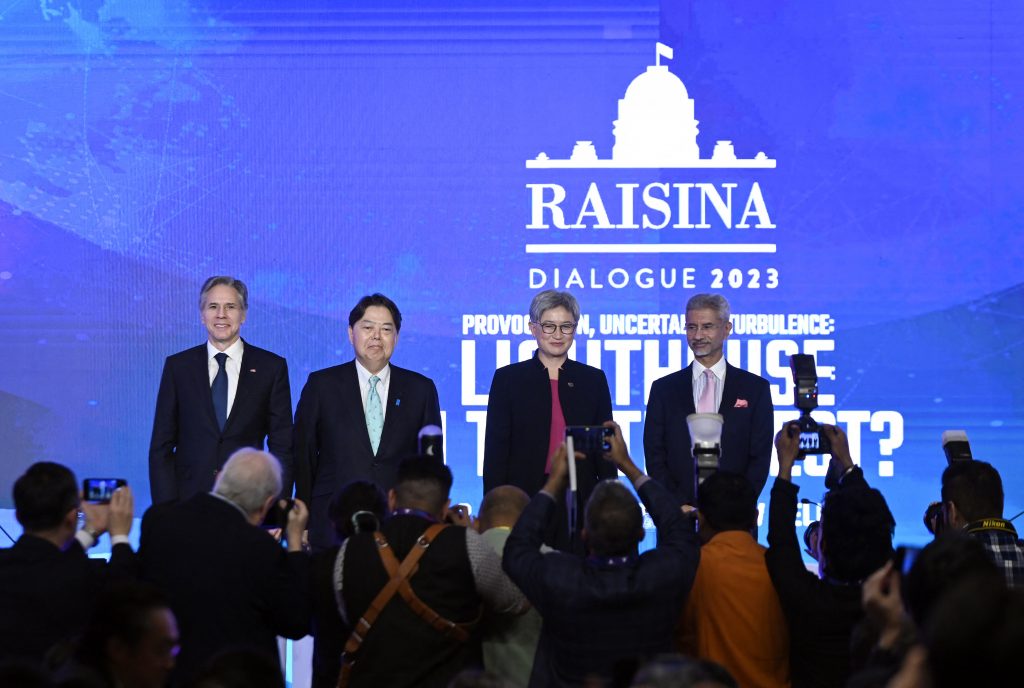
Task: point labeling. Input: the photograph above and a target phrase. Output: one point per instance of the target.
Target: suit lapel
(392, 417)
(201, 379)
(685, 391)
(246, 373)
(352, 397)
(730, 393)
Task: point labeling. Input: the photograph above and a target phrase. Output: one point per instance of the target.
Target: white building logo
(656, 128)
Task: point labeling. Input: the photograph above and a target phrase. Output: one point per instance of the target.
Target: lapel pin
(571, 384)
(398, 402)
(252, 370)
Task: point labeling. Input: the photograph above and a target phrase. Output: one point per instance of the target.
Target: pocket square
(740, 403)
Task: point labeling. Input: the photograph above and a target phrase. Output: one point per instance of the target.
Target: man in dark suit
(708, 385)
(615, 605)
(48, 583)
(357, 420)
(216, 398)
(229, 583)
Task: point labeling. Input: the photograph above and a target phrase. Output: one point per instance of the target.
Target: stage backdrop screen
(844, 175)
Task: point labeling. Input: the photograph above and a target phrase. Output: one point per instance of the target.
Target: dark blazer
(188, 448)
(519, 422)
(332, 445)
(746, 433)
(230, 583)
(595, 612)
(47, 594)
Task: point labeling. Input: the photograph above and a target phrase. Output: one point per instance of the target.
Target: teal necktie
(374, 414)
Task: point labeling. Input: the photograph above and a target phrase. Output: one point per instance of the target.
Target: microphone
(431, 441)
(810, 501)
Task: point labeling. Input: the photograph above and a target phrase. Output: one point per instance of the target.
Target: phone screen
(100, 490)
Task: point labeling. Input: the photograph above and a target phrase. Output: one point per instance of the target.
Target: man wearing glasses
(708, 385)
(532, 402)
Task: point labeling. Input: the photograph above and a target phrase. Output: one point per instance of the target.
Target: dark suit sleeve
(761, 438)
(304, 462)
(675, 531)
(605, 469)
(162, 483)
(655, 447)
(123, 564)
(279, 427)
(522, 559)
(432, 409)
(792, 581)
(498, 437)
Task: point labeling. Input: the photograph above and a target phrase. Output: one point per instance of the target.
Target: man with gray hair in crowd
(229, 582)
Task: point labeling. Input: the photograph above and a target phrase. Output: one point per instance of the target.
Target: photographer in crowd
(900, 597)
(49, 583)
(972, 502)
(229, 583)
(413, 591)
(856, 540)
(615, 606)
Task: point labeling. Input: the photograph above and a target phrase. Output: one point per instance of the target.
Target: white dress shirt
(718, 370)
(232, 366)
(364, 376)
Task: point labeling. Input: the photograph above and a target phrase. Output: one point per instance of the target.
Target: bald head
(249, 478)
(501, 507)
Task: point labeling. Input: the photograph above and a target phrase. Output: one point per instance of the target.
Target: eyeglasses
(550, 327)
(706, 328)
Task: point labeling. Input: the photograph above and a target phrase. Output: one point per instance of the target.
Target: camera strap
(991, 524)
(400, 573)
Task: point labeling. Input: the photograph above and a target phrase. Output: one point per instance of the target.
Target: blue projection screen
(844, 175)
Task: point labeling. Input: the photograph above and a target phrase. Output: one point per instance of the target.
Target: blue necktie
(219, 389)
(374, 414)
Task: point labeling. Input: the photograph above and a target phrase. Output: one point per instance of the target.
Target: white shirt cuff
(85, 539)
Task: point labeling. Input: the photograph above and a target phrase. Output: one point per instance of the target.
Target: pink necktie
(706, 403)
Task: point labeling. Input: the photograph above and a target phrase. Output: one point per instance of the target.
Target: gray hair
(713, 302)
(248, 478)
(217, 280)
(548, 299)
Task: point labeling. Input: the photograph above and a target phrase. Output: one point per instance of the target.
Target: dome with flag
(656, 124)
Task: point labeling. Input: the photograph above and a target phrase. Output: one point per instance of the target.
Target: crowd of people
(344, 531)
(416, 593)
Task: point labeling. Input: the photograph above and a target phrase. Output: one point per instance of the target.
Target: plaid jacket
(1007, 551)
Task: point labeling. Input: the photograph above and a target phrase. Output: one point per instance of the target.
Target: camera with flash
(805, 381)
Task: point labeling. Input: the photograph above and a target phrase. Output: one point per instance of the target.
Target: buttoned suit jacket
(229, 583)
(332, 444)
(188, 447)
(746, 433)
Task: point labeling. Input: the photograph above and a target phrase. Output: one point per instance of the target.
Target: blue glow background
(323, 150)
